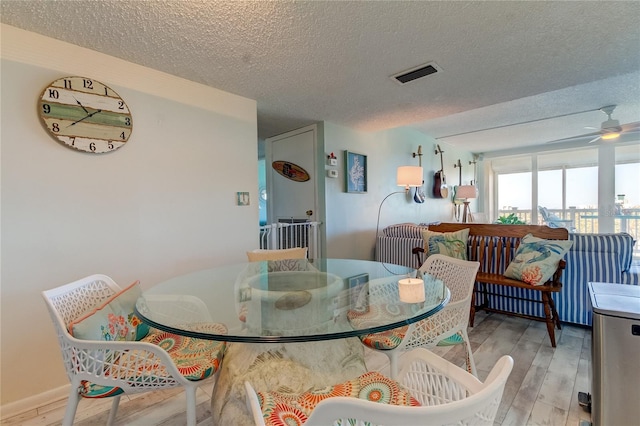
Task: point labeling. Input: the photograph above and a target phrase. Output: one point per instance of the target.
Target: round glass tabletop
(295, 300)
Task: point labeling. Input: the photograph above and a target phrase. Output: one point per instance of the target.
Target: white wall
(162, 205)
(351, 218)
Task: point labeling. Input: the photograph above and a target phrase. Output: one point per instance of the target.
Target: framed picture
(358, 286)
(355, 172)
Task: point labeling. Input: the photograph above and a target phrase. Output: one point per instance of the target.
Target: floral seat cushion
(196, 359)
(379, 314)
(282, 409)
(390, 339)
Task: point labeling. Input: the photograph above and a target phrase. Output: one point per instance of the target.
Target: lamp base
(465, 213)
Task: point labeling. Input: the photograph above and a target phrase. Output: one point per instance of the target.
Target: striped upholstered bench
(594, 258)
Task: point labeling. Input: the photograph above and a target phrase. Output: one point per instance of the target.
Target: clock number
(88, 84)
(73, 141)
(120, 104)
(53, 93)
(46, 108)
(122, 136)
(127, 121)
(55, 127)
(110, 144)
(67, 84)
(92, 146)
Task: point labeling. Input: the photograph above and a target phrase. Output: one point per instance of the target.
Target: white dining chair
(445, 393)
(99, 369)
(446, 327)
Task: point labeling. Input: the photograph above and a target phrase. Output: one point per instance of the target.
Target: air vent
(415, 73)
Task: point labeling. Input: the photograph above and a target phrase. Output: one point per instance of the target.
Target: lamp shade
(466, 191)
(409, 176)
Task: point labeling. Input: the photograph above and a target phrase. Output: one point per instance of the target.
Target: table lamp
(464, 192)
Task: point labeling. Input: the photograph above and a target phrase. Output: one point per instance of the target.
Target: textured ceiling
(502, 62)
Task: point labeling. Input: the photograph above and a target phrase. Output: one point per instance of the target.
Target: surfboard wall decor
(291, 171)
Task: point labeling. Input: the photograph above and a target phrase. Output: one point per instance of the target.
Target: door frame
(314, 175)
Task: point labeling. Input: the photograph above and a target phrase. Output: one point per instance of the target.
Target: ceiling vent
(415, 73)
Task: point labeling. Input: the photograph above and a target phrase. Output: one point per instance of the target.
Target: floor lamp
(407, 176)
(465, 192)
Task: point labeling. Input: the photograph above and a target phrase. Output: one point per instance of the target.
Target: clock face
(85, 114)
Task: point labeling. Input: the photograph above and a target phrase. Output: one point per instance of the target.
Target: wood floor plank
(523, 402)
(544, 414)
(582, 384)
(500, 342)
(557, 387)
(523, 356)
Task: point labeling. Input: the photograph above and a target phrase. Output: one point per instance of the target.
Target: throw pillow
(537, 259)
(113, 320)
(452, 244)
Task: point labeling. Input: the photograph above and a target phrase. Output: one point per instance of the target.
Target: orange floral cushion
(376, 315)
(196, 359)
(281, 409)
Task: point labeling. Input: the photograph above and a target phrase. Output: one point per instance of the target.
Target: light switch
(332, 173)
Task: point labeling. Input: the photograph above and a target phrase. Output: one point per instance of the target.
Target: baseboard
(33, 402)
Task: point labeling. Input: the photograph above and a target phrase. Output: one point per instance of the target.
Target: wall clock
(84, 114)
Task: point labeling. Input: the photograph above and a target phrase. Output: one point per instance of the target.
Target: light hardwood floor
(542, 388)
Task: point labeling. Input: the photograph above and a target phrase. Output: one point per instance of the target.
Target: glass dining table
(289, 323)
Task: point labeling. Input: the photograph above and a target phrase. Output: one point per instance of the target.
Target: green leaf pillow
(452, 244)
(536, 259)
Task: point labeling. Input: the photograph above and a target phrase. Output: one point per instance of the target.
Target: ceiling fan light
(610, 136)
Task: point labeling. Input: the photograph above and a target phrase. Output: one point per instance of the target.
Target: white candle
(411, 290)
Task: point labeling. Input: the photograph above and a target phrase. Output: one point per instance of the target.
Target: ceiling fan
(610, 129)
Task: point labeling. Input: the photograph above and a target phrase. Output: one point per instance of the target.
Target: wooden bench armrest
(418, 252)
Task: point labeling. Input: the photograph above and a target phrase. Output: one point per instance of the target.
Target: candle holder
(411, 290)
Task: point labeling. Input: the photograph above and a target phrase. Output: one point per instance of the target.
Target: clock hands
(84, 118)
(81, 106)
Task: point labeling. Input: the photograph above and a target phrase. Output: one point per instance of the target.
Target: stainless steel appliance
(615, 398)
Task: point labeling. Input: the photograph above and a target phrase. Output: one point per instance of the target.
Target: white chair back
(448, 395)
(259, 255)
(459, 276)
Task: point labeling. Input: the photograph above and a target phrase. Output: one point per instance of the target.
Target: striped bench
(592, 258)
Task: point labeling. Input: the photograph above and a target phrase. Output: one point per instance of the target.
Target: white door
(291, 176)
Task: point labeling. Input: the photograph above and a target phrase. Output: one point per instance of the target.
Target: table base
(288, 367)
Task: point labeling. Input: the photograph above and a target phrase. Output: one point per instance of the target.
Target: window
(569, 183)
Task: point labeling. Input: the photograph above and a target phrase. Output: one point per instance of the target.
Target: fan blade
(586, 137)
(595, 139)
(630, 127)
